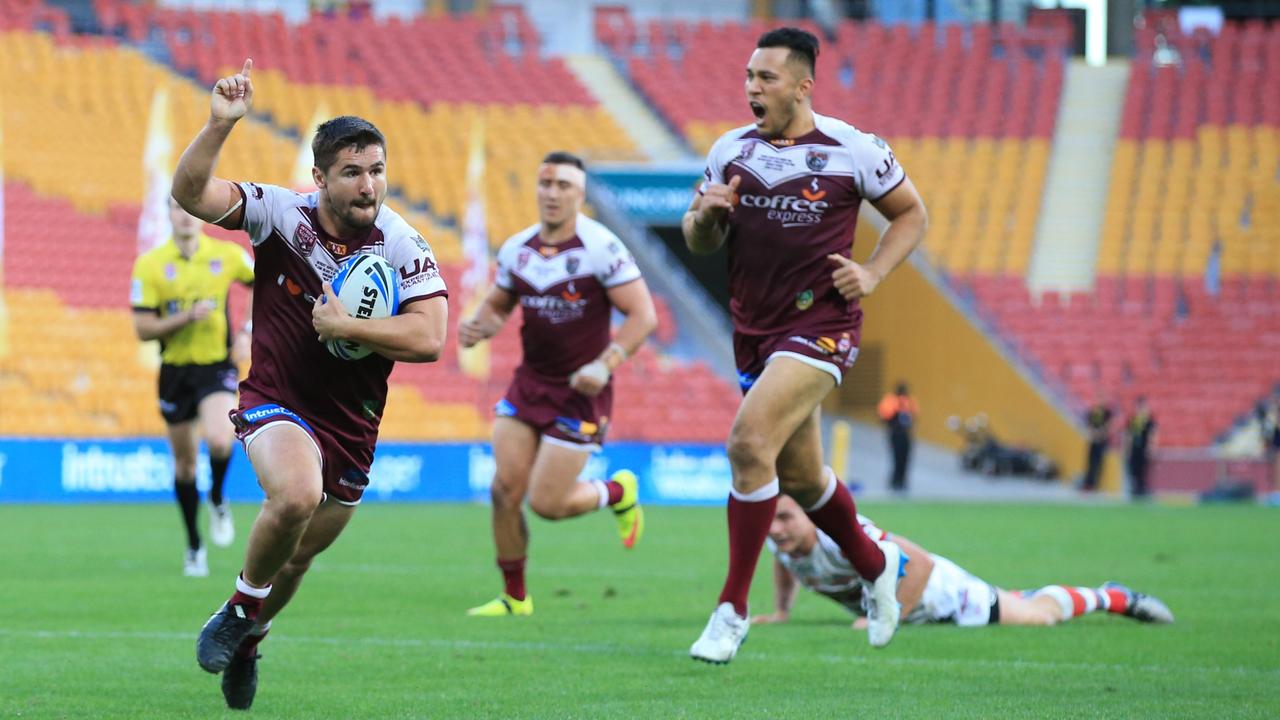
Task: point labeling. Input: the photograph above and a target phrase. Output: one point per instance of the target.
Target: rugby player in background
(567, 273)
(934, 589)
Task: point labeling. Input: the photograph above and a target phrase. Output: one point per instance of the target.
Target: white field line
(620, 649)
(600, 570)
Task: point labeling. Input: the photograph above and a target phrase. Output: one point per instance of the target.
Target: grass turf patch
(97, 621)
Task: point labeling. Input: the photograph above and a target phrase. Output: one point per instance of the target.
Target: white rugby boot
(724, 634)
(195, 563)
(883, 609)
(222, 531)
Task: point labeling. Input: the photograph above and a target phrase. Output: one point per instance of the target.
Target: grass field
(96, 621)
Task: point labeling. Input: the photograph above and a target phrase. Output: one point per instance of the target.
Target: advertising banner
(88, 470)
(654, 196)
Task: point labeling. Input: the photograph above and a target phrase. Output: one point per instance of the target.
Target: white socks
(603, 489)
(758, 495)
(828, 492)
(251, 591)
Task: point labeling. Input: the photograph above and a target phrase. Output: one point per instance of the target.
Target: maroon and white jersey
(562, 291)
(293, 256)
(826, 570)
(797, 203)
(951, 594)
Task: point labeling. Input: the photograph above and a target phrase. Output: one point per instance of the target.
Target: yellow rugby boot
(502, 606)
(627, 511)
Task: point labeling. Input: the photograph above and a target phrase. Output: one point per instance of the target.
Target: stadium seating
(1193, 185)
(956, 103)
(1200, 360)
(426, 83)
(1207, 127)
(35, 15)
(971, 116)
(90, 378)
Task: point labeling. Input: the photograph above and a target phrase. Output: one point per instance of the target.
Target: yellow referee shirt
(166, 283)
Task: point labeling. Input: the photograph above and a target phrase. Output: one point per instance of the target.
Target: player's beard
(352, 215)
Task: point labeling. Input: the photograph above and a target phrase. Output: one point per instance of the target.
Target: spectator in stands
(1165, 55)
(179, 296)
(1268, 414)
(1098, 425)
(1140, 441)
(898, 411)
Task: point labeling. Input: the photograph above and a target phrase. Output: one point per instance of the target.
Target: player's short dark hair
(802, 44)
(560, 157)
(335, 135)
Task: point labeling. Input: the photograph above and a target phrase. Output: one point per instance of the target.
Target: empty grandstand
(1181, 308)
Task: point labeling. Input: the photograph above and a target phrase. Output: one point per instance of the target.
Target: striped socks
(1077, 601)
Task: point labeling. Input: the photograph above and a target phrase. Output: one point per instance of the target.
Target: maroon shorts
(831, 350)
(556, 411)
(344, 469)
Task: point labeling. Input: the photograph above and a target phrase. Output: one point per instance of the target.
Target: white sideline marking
(548, 571)
(603, 648)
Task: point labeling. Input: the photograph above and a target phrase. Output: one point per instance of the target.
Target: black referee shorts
(182, 387)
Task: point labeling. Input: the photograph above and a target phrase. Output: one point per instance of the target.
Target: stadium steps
(1075, 192)
(647, 131)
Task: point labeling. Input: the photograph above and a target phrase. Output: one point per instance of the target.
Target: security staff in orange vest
(898, 412)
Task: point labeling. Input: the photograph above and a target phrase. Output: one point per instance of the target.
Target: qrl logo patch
(305, 238)
(816, 160)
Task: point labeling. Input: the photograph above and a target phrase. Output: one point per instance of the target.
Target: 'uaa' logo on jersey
(816, 160)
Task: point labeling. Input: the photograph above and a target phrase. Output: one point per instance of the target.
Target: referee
(179, 297)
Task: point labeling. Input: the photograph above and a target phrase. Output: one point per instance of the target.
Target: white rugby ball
(366, 286)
